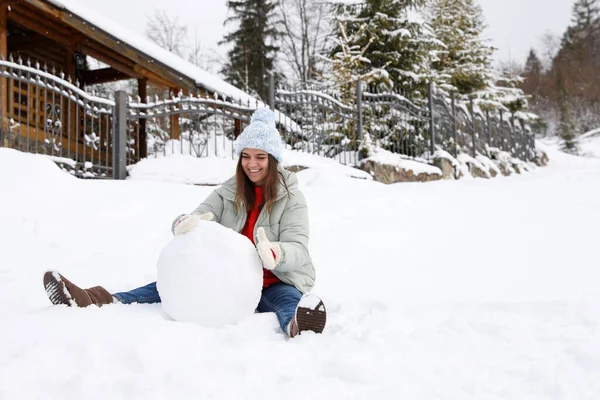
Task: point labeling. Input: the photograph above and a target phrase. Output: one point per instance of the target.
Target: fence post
(532, 147)
(119, 135)
(272, 91)
(502, 139)
(359, 128)
(489, 128)
(472, 127)
(431, 118)
(512, 135)
(454, 125)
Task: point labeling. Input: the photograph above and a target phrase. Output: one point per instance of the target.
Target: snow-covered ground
(470, 289)
(590, 144)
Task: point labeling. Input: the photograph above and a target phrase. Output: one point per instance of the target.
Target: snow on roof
(152, 50)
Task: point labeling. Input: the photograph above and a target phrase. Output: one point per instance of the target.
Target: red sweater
(268, 277)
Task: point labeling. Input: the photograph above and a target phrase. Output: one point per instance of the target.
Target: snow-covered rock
(211, 276)
(503, 160)
(446, 163)
(388, 167)
(476, 169)
(490, 166)
(541, 158)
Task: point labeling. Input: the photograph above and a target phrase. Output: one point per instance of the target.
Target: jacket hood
(228, 188)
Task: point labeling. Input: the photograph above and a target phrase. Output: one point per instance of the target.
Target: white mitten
(269, 252)
(190, 221)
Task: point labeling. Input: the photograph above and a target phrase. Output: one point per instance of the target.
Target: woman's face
(255, 164)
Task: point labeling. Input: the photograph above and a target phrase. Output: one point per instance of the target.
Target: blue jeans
(280, 298)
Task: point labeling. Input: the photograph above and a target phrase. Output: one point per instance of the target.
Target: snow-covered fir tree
(534, 85)
(584, 20)
(464, 66)
(507, 89)
(532, 72)
(254, 44)
(388, 46)
(567, 129)
(398, 43)
(348, 64)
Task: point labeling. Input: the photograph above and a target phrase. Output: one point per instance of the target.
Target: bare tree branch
(167, 32)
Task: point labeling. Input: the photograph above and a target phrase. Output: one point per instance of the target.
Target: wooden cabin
(60, 37)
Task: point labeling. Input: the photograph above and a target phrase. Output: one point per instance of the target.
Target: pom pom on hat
(261, 134)
(263, 115)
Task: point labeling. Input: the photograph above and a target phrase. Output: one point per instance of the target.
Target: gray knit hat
(261, 134)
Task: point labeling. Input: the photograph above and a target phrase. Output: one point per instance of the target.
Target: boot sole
(56, 290)
(311, 315)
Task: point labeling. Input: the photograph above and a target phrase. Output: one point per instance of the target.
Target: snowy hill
(471, 289)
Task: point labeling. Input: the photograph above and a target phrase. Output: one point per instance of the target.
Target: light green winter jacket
(287, 224)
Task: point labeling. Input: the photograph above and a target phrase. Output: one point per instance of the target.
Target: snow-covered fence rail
(46, 113)
(199, 125)
(333, 126)
(395, 123)
(92, 136)
(328, 126)
(466, 127)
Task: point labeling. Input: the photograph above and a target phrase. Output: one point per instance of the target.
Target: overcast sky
(514, 26)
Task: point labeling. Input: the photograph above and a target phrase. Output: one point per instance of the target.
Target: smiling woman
(263, 203)
(259, 148)
(255, 164)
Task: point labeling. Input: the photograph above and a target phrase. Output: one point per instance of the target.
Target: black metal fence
(336, 128)
(325, 125)
(92, 136)
(202, 125)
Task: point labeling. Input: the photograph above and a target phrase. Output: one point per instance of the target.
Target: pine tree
(348, 65)
(580, 46)
(532, 73)
(585, 16)
(507, 88)
(252, 57)
(464, 66)
(576, 67)
(567, 129)
(394, 48)
(535, 86)
(397, 44)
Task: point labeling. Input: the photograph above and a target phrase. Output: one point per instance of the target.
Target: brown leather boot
(62, 291)
(311, 315)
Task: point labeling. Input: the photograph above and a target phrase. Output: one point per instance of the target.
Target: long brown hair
(245, 195)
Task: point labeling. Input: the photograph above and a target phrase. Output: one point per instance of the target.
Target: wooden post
(4, 55)
(143, 144)
(237, 127)
(70, 121)
(175, 128)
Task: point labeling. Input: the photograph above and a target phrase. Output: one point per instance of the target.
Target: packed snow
(211, 276)
(590, 145)
(478, 288)
(212, 170)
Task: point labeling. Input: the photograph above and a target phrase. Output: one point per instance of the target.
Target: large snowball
(211, 276)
